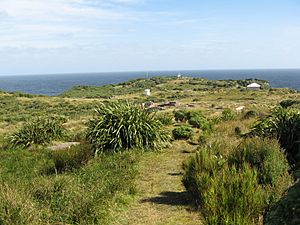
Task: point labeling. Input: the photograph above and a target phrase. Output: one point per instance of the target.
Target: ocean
(57, 83)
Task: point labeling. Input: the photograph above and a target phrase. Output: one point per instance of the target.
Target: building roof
(254, 85)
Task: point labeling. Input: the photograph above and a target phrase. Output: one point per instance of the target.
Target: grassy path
(161, 196)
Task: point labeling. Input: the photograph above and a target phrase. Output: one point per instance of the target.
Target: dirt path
(161, 196)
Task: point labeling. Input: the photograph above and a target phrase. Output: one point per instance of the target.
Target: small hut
(254, 86)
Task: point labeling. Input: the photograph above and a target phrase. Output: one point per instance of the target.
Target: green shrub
(165, 118)
(287, 210)
(288, 103)
(183, 132)
(264, 155)
(40, 131)
(250, 114)
(283, 124)
(228, 114)
(198, 120)
(69, 159)
(181, 115)
(124, 125)
(225, 194)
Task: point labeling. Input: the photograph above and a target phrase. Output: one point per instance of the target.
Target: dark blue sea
(58, 83)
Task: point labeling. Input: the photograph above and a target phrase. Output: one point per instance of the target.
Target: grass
(85, 196)
(161, 197)
(126, 187)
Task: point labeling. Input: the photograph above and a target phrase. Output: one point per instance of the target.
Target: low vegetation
(284, 124)
(182, 132)
(88, 195)
(236, 189)
(241, 169)
(287, 210)
(40, 131)
(124, 125)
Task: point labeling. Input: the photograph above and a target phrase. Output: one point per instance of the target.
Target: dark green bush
(40, 131)
(124, 125)
(264, 155)
(183, 132)
(198, 120)
(70, 159)
(287, 210)
(250, 114)
(283, 124)
(225, 194)
(181, 115)
(289, 103)
(202, 123)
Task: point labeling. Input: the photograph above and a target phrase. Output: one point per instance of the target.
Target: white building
(254, 86)
(147, 92)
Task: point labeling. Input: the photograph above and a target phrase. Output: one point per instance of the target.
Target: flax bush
(40, 131)
(124, 125)
(283, 124)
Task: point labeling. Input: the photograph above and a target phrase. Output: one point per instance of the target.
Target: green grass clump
(165, 118)
(227, 115)
(70, 159)
(40, 131)
(181, 115)
(283, 124)
(182, 132)
(225, 194)
(124, 125)
(89, 195)
(250, 114)
(198, 120)
(288, 103)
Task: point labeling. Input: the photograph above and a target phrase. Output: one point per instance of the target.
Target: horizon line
(144, 71)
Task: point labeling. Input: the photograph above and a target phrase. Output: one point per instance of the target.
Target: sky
(67, 36)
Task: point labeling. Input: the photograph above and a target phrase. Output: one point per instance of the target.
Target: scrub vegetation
(203, 152)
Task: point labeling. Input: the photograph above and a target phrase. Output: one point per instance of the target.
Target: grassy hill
(72, 186)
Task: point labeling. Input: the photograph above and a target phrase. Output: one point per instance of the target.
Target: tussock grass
(41, 131)
(125, 125)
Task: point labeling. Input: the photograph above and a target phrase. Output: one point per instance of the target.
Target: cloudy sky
(65, 36)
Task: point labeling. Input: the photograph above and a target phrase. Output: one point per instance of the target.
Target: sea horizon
(57, 83)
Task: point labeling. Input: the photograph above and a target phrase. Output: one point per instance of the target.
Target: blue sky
(65, 36)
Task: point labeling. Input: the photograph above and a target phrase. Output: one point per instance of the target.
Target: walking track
(161, 196)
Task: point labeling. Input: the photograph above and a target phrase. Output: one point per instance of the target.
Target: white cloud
(58, 23)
